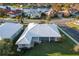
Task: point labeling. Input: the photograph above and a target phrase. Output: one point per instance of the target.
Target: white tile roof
(38, 30)
(7, 30)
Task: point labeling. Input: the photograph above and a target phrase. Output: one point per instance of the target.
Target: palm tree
(56, 7)
(22, 14)
(48, 16)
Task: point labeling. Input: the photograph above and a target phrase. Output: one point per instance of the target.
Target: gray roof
(7, 30)
(38, 30)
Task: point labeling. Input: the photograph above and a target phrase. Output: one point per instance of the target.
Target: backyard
(51, 49)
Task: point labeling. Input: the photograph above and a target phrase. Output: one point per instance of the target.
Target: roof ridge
(25, 34)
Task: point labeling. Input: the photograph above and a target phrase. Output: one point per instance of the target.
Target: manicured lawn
(51, 49)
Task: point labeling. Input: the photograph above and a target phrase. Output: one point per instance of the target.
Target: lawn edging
(68, 36)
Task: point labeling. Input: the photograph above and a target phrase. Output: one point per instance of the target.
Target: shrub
(76, 48)
(6, 47)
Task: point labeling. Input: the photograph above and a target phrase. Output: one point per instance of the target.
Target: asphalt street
(73, 33)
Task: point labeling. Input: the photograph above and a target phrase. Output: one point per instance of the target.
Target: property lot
(51, 49)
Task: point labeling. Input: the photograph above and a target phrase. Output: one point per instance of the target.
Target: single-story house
(36, 33)
(14, 13)
(10, 30)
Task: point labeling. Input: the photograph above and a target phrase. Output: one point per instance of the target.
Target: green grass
(64, 48)
(72, 25)
(52, 49)
(27, 6)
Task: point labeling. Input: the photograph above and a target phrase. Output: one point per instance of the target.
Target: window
(23, 44)
(34, 38)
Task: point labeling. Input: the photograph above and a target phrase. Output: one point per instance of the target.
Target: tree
(43, 15)
(2, 12)
(6, 47)
(56, 7)
(48, 19)
(22, 17)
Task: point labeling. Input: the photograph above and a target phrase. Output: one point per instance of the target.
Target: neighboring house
(51, 13)
(42, 10)
(66, 13)
(14, 13)
(32, 13)
(5, 8)
(10, 30)
(75, 14)
(35, 14)
(60, 14)
(27, 12)
(36, 33)
(73, 11)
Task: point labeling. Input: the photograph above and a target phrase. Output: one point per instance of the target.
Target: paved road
(61, 21)
(57, 21)
(71, 32)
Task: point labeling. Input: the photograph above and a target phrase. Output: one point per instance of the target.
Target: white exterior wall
(36, 40)
(56, 39)
(25, 45)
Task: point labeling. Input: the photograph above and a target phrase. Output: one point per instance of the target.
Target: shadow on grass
(50, 49)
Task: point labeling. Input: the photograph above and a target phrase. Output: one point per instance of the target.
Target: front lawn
(51, 49)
